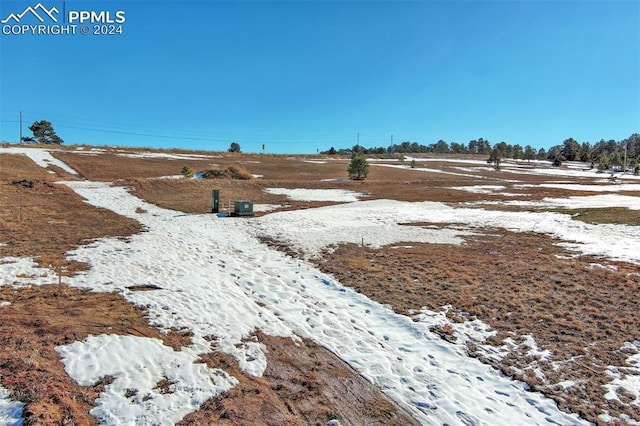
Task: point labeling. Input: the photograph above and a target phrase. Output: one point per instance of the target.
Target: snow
(575, 202)
(10, 411)
(626, 377)
(137, 365)
(4, 303)
(165, 155)
(607, 187)
(424, 169)
(41, 157)
(170, 177)
(372, 223)
(377, 221)
(24, 271)
(285, 296)
(215, 278)
(303, 194)
(202, 263)
(481, 189)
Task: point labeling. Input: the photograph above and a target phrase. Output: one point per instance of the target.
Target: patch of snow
(171, 177)
(303, 194)
(334, 180)
(424, 169)
(377, 221)
(575, 202)
(40, 156)
(598, 265)
(4, 303)
(164, 155)
(594, 188)
(374, 224)
(137, 365)
(257, 176)
(265, 207)
(566, 384)
(10, 411)
(626, 378)
(480, 189)
(19, 271)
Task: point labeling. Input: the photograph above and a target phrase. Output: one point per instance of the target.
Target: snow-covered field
(215, 277)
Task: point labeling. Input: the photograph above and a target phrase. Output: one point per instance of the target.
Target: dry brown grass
(517, 283)
(41, 318)
(49, 219)
(302, 385)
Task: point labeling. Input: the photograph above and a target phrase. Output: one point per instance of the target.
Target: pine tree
(43, 133)
(358, 167)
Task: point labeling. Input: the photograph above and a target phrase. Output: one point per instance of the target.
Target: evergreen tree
(234, 147)
(518, 153)
(570, 149)
(542, 154)
(529, 153)
(358, 167)
(43, 133)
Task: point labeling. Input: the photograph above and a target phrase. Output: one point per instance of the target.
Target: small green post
(215, 201)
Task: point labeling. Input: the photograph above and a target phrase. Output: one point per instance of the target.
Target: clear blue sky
(299, 76)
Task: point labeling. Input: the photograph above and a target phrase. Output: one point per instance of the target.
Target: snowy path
(217, 279)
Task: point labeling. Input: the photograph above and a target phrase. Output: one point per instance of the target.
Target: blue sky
(302, 76)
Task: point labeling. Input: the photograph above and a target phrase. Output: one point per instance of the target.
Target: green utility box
(243, 208)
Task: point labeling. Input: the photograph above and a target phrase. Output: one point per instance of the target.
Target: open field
(532, 270)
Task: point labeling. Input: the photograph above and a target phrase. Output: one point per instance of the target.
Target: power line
(98, 126)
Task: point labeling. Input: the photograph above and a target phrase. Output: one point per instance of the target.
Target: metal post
(215, 201)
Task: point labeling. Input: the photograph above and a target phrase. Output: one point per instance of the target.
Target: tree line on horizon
(606, 154)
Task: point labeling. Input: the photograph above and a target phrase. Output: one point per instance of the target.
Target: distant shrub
(413, 164)
(187, 172)
(231, 172)
(239, 172)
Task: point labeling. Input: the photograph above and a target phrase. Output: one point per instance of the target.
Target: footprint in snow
(466, 419)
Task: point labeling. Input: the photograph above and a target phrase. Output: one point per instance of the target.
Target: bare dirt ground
(519, 284)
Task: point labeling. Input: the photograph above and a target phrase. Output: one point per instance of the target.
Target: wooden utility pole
(20, 140)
